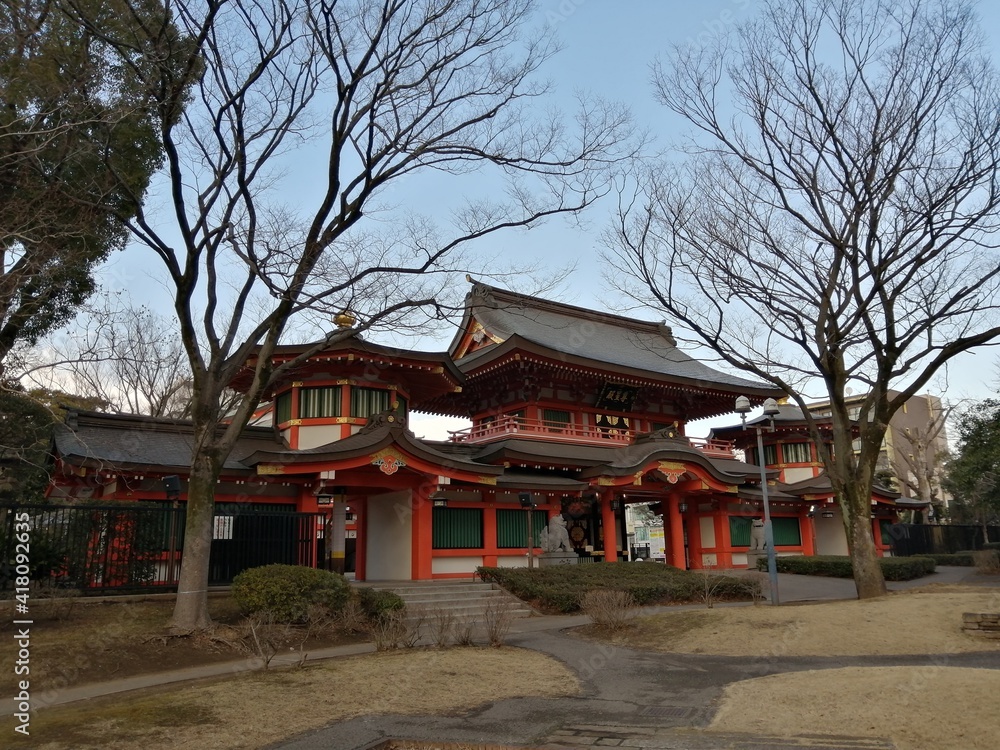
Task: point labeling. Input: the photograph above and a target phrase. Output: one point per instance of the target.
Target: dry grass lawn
(251, 711)
(933, 618)
(918, 708)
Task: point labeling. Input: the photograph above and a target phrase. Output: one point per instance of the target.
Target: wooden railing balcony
(537, 429)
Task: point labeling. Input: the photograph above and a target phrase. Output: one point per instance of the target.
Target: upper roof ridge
(486, 295)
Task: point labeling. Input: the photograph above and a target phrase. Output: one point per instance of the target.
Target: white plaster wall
(709, 561)
(798, 474)
(389, 537)
(707, 531)
(519, 561)
(317, 435)
(739, 559)
(455, 564)
(830, 536)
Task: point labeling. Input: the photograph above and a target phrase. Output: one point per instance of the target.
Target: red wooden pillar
(608, 524)
(676, 524)
(877, 535)
(808, 526)
(723, 542)
(490, 551)
(422, 541)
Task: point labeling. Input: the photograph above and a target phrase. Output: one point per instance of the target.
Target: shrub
(378, 604)
(987, 561)
(963, 559)
(388, 630)
(610, 610)
(561, 588)
(497, 619)
(992, 545)
(839, 566)
(287, 592)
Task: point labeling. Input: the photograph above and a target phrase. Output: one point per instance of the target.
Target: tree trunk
(868, 578)
(191, 607)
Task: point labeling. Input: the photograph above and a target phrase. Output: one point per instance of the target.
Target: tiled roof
(598, 336)
(131, 440)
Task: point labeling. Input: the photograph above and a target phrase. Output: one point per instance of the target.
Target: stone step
(465, 601)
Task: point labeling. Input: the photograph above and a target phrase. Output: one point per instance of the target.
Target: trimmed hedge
(839, 566)
(963, 559)
(376, 603)
(992, 545)
(561, 588)
(287, 592)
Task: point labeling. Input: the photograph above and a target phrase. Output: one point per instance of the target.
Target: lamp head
(770, 407)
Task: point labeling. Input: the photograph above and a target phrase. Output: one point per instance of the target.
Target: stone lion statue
(757, 541)
(555, 538)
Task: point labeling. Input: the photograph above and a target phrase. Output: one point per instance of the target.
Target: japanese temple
(586, 411)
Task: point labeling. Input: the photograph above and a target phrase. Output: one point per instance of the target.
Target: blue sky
(607, 50)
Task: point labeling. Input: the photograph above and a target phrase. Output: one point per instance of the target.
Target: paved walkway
(629, 698)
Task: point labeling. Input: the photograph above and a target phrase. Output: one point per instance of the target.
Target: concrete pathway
(630, 698)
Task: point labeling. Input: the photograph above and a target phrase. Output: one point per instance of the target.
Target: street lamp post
(770, 409)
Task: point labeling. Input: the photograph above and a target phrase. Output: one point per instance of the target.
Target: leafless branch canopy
(836, 215)
(839, 218)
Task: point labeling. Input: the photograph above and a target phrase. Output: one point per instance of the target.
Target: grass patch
(101, 641)
(255, 710)
(836, 628)
(561, 588)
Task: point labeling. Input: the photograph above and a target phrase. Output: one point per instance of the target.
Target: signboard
(222, 528)
(615, 397)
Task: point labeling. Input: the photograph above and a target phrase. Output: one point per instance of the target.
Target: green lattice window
(512, 527)
(319, 402)
(457, 528)
(786, 531)
(796, 453)
(283, 408)
(368, 401)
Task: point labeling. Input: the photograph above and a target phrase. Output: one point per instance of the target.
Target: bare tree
(834, 223)
(384, 90)
(127, 357)
(919, 452)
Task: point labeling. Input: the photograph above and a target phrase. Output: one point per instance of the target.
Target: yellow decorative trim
(637, 478)
(270, 469)
(437, 371)
(671, 466)
(487, 480)
(343, 381)
(345, 420)
(458, 389)
(294, 422)
(296, 384)
(605, 482)
(729, 488)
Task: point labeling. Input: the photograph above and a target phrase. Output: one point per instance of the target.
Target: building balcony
(505, 428)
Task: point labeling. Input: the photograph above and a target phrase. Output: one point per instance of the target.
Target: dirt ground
(841, 628)
(919, 708)
(250, 711)
(75, 642)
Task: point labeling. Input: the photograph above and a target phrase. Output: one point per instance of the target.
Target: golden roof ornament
(345, 319)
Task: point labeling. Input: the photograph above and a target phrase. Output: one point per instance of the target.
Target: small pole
(772, 565)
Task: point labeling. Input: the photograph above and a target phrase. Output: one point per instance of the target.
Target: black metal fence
(921, 539)
(138, 546)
